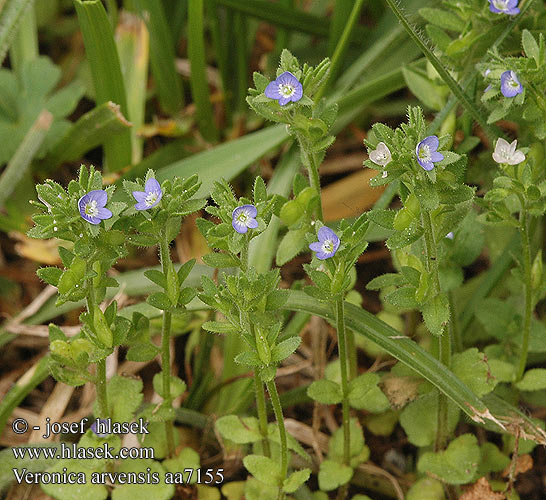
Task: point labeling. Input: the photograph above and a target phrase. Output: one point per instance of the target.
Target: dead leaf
(400, 390)
(524, 463)
(42, 251)
(481, 490)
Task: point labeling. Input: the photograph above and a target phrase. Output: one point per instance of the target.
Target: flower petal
(141, 205)
(283, 101)
(104, 213)
(288, 78)
(252, 224)
(152, 186)
(99, 196)
(435, 156)
(272, 90)
(316, 246)
(517, 158)
(431, 141)
(427, 165)
(239, 226)
(325, 233)
(139, 196)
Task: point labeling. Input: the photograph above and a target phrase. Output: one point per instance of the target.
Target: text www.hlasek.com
(81, 453)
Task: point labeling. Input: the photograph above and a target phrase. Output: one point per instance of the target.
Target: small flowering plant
(508, 7)
(240, 222)
(516, 85)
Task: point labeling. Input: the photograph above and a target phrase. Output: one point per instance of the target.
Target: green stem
(444, 339)
(312, 168)
(454, 327)
(100, 384)
(526, 248)
(164, 255)
(342, 346)
(277, 408)
(351, 348)
(342, 46)
(262, 413)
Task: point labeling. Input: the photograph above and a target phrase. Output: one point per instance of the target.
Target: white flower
(507, 153)
(381, 155)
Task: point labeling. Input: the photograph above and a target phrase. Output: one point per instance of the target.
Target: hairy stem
(277, 408)
(262, 413)
(312, 164)
(526, 248)
(165, 258)
(100, 384)
(444, 340)
(342, 345)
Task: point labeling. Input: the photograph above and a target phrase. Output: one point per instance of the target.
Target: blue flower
(243, 218)
(150, 197)
(510, 85)
(91, 206)
(327, 243)
(509, 7)
(104, 423)
(427, 154)
(285, 88)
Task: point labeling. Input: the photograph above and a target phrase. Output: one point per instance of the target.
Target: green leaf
(87, 491)
(333, 475)
(50, 275)
(533, 380)
(159, 300)
(135, 491)
(364, 394)
(263, 469)
(292, 243)
(426, 489)
(295, 480)
(336, 444)
(492, 459)
(106, 73)
(240, 430)
(219, 327)
(284, 349)
(142, 352)
(436, 314)
(177, 386)
(457, 464)
(423, 89)
(472, 368)
(419, 419)
(188, 458)
(443, 18)
(530, 46)
(325, 391)
(220, 260)
(386, 280)
(124, 397)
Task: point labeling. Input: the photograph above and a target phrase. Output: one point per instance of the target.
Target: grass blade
(402, 348)
(103, 59)
(133, 43)
(455, 88)
(162, 56)
(21, 160)
(342, 11)
(25, 45)
(226, 160)
(198, 81)
(280, 15)
(12, 13)
(36, 375)
(342, 47)
(94, 128)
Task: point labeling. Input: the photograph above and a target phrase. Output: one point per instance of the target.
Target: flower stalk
(343, 362)
(164, 255)
(528, 291)
(444, 339)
